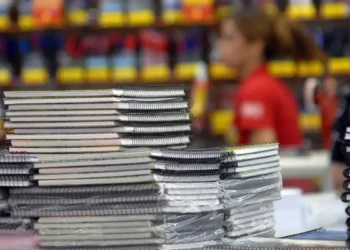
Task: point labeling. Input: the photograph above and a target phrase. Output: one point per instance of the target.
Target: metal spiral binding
(151, 118)
(156, 142)
(86, 201)
(346, 172)
(208, 156)
(7, 157)
(185, 167)
(157, 106)
(89, 210)
(149, 93)
(16, 169)
(35, 191)
(16, 181)
(203, 176)
(161, 129)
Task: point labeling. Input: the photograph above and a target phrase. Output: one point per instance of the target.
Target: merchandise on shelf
(97, 66)
(172, 12)
(332, 9)
(25, 14)
(224, 8)
(34, 70)
(199, 11)
(111, 13)
(188, 53)
(5, 71)
(124, 59)
(77, 12)
(48, 13)
(153, 60)
(140, 13)
(301, 9)
(4, 14)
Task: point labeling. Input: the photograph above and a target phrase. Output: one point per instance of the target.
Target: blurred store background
(72, 44)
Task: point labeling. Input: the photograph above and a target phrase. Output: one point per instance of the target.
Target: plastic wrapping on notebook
(168, 229)
(251, 191)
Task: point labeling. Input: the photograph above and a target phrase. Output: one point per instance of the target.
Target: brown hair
(282, 36)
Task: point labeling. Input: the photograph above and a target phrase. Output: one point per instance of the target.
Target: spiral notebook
(96, 133)
(132, 141)
(140, 176)
(118, 190)
(155, 106)
(110, 210)
(121, 91)
(78, 100)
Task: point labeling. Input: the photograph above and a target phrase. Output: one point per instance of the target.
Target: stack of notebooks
(112, 171)
(249, 187)
(197, 197)
(87, 136)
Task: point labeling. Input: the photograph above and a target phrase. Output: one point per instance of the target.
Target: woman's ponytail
(291, 39)
(282, 37)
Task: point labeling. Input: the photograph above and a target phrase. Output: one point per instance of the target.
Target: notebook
(155, 106)
(112, 178)
(135, 141)
(8, 101)
(96, 133)
(125, 91)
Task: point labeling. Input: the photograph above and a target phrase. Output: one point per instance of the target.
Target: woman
(266, 110)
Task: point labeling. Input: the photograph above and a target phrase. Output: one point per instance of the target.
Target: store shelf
(94, 28)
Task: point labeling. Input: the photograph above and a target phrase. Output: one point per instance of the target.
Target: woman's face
(235, 50)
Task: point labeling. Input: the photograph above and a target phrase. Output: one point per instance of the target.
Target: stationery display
(112, 171)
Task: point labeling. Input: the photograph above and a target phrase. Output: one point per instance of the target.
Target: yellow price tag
(111, 19)
(313, 68)
(220, 71)
(34, 77)
(334, 10)
(4, 22)
(172, 17)
(26, 22)
(124, 74)
(141, 18)
(98, 75)
(70, 75)
(5, 77)
(303, 12)
(156, 73)
(78, 17)
(339, 65)
(185, 71)
(283, 68)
